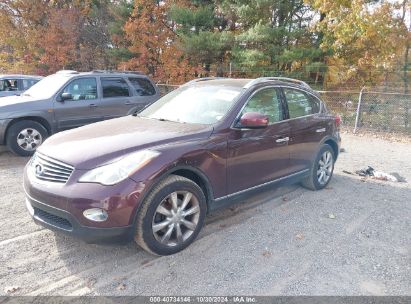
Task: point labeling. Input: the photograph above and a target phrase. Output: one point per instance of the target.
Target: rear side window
(300, 104)
(114, 87)
(8, 85)
(142, 86)
(82, 89)
(28, 83)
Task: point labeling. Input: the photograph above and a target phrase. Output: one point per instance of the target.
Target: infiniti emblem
(39, 169)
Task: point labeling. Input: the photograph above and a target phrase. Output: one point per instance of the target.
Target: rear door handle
(127, 103)
(93, 105)
(322, 130)
(283, 139)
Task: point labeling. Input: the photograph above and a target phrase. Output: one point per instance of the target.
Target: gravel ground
(282, 242)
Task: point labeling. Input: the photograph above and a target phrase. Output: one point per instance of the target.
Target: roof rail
(67, 72)
(203, 79)
(285, 79)
(117, 71)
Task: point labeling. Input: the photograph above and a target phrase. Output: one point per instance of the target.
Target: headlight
(116, 172)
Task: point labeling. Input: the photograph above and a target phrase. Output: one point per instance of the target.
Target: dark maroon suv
(154, 176)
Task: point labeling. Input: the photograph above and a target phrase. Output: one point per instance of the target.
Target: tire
(24, 137)
(158, 216)
(314, 181)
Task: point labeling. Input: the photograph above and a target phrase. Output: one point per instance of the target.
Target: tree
(364, 41)
(59, 44)
(153, 41)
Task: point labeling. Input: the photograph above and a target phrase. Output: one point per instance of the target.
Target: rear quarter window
(142, 86)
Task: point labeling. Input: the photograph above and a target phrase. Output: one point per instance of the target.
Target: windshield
(47, 87)
(200, 105)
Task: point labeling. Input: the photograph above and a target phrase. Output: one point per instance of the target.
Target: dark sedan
(154, 176)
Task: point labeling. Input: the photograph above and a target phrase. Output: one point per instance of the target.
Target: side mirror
(253, 120)
(66, 96)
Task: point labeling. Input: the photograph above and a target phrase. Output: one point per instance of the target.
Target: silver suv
(69, 99)
(16, 84)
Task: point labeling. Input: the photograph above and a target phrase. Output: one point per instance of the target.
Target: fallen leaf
(300, 236)
(331, 216)
(11, 289)
(122, 286)
(267, 253)
(145, 262)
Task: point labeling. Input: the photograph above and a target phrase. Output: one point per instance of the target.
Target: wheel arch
(333, 144)
(192, 173)
(198, 177)
(37, 119)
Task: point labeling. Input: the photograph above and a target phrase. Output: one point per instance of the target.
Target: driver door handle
(283, 139)
(93, 105)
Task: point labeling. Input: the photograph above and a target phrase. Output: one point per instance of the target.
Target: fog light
(29, 207)
(95, 214)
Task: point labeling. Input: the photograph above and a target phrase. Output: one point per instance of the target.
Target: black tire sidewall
(316, 183)
(16, 128)
(148, 236)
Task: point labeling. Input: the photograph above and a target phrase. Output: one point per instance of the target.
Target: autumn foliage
(327, 42)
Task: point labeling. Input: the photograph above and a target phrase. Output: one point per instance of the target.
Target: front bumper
(62, 221)
(60, 207)
(3, 127)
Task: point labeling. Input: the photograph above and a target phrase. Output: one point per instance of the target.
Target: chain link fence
(371, 111)
(362, 109)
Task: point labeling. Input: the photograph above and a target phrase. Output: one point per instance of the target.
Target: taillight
(338, 120)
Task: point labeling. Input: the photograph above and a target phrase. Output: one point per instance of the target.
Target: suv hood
(96, 144)
(10, 105)
(15, 99)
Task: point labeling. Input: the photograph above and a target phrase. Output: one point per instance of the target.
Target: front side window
(142, 86)
(300, 104)
(194, 104)
(9, 85)
(82, 89)
(266, 102)
(114, 87)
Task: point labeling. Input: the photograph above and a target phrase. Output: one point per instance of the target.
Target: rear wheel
(24, 137)
(171, 216)
(321, 170)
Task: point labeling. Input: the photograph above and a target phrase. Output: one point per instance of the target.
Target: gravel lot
(282, 242)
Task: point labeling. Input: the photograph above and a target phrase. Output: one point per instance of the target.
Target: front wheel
(24, 137)
(171, 216)
(322, 169)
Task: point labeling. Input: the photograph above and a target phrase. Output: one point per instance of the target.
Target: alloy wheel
(29, 139)
(176, 218)
(325, 167)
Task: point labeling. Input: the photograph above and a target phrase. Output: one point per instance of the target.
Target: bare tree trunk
(405, 75)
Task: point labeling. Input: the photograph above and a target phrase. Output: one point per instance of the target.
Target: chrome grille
(48, 169)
